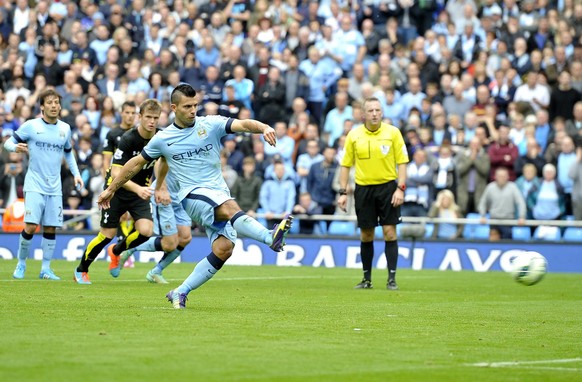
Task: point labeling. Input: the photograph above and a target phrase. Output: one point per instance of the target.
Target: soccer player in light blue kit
(45, 140)
(191, 147)
(172, 230)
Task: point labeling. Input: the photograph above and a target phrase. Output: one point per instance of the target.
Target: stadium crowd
(474, 87)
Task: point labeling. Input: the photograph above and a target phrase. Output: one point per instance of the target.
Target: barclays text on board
(331, 252)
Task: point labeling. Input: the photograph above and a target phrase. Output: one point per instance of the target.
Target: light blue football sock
(249, 227)
(204, 271)
(47, 244)
(24, 241)
(153, 244)
(167, 260)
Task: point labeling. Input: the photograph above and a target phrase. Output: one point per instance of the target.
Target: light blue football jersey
(46, 145)
(192, 153)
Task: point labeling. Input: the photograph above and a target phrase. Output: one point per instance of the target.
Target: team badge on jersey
(385, 149)
(202, 133)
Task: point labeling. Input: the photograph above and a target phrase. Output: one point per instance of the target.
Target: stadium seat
(320, 228)
(481, 232)
(549, 233)
(342, 228)
(521, 233)
(573, 234)
(475, 231)
(429, 230)
(295, 227)
(378, 233)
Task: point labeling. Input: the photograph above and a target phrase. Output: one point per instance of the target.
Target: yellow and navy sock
(92, 251)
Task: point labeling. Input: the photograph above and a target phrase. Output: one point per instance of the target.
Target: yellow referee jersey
(375, 154)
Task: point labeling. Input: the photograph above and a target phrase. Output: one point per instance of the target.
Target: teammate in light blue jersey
(191, 148)
(45, 140)
(172, 230)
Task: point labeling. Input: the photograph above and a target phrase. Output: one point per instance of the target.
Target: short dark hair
(48, 93)
(127, 104)
(182, 90)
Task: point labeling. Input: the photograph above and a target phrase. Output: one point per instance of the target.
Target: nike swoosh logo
(170, 144)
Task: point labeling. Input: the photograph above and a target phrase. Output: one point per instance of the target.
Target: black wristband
(342, 191)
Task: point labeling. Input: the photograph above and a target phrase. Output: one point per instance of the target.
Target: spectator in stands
(532, 92)
(456, 103)
(246, 188)
(17, 89)
(230, 107)
(545, 200)
(212, 87)
(563, 98)
(285, 144)
(575, 173)
(468, 45)
(533, 155)
(353, 46)
(305, 161)
(228, 173)
(308, 207)
(73, 202)
(270, 98)
(320, 179)
(277, 196)
(502, 200)
(528, 179)
(418, 193)
(296, 82)
(574, 124)
(334, 120)
(243, 87)
(234, 157)
(323, 74)
(12, 177)
(444, 171)
(445, 208)
(542, 129)
(472, 166)
(566, 159)
(414, 96)
(503, 153)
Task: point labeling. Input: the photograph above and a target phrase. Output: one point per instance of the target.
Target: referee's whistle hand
(342, 202)
(397, 197)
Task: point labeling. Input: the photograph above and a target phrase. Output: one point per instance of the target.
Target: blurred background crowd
(475, 87)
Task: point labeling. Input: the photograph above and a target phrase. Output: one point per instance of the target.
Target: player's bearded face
(52, 107)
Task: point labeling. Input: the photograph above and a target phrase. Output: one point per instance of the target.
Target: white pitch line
(520, 363)
(551, 368)
(249, 278)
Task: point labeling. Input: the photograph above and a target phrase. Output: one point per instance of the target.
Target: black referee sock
(92, 251)
(130, 241)
(391, 251)
(367, 255)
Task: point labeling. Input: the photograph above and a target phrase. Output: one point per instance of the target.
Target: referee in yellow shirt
(377, 150)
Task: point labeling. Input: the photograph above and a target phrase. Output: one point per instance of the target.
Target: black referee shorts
(374, 205)
(122, 203)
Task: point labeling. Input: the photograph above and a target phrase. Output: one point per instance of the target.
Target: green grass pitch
(289, 324)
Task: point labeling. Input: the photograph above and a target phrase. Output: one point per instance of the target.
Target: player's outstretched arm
(127, 172)
(255, 127)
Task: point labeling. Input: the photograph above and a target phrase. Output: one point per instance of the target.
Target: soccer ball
(529, 268)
